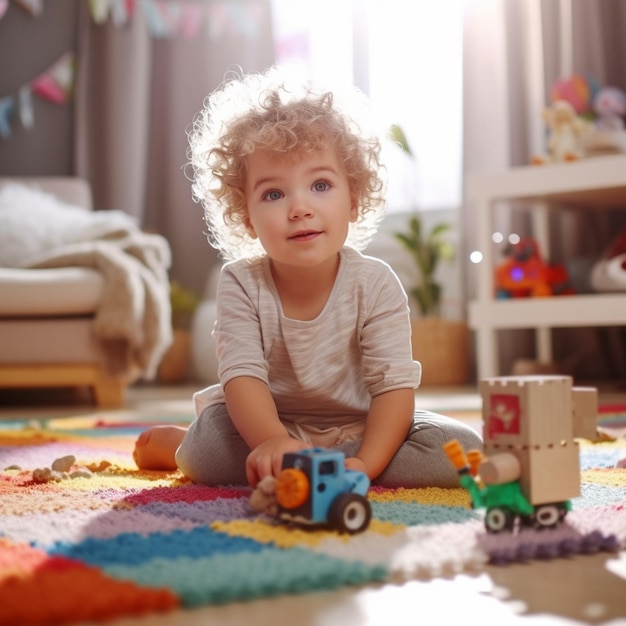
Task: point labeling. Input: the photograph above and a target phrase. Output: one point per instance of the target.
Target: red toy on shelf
(524, 273)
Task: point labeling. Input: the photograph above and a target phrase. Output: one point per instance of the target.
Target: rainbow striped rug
(104, 540)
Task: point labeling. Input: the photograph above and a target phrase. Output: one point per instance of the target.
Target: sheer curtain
(136, 96)
(513, 54)
(406, 56)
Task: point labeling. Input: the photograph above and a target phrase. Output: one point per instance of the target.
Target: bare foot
(156, 447)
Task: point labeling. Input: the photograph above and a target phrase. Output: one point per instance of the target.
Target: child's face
(299, 207)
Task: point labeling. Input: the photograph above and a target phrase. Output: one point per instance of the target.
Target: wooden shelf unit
(593, 183)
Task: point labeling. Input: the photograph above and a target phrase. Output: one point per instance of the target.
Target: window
(407, 56)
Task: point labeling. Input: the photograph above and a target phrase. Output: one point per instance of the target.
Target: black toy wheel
(548, 515)
(498, 519)
(350, 513)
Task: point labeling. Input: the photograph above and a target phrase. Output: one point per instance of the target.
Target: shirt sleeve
(386, 336)
(237, 330)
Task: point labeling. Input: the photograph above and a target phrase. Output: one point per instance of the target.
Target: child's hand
(267, 458)
(354, 463)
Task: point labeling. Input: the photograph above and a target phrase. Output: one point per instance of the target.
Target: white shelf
(598, 182)
(556, 312)
(593, 184)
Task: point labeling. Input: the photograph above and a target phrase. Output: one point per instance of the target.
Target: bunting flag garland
(171, 18)
(7, 106)
(25, 100)
(119, 10)
(54, 85)
(34, 7)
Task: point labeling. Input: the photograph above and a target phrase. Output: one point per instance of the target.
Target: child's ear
(354, 210)
(249, 228)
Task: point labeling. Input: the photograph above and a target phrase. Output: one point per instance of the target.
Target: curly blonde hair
(262, 111)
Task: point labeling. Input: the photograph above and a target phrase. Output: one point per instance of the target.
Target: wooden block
(500, 468)
(551, 473)
(585, 411)
(527, 410)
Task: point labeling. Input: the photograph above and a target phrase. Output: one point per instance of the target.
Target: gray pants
(213, 452)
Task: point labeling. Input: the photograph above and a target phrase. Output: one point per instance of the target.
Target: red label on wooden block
(504, 415)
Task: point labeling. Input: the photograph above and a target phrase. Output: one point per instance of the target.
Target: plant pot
(174, 366)
(442, 347)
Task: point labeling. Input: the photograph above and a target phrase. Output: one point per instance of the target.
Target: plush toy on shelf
(609, 272)
(523, 273)
(609, 105)
(566, 131)
(608, 135)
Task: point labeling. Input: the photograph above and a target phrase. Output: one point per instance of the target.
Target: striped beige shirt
(321, 373)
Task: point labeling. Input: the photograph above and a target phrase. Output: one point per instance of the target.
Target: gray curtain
(136, 96)
(514, 51)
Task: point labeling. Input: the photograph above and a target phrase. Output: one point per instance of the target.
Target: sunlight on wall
(412, 58)
(416, 81)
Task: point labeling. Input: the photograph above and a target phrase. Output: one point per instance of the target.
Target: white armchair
(57, 327)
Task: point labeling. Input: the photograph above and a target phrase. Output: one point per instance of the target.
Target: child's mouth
(304, 235)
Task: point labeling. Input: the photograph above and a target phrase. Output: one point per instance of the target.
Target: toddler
(313, 337)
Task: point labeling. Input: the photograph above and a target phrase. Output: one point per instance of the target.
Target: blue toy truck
(314, 487)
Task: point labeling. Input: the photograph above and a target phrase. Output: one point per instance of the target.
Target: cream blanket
(133, 319)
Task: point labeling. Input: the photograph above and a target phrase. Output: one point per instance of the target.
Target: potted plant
(174, 366)
(441, 345)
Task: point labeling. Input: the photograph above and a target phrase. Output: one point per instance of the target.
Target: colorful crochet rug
(101, 539)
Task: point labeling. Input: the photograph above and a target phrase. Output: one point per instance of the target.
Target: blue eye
(273, 194)
(321, 185)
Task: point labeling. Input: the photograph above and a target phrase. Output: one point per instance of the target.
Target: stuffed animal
(609, 104)
(577, 90)
(609, 272)
(566, 130)
(523, 273)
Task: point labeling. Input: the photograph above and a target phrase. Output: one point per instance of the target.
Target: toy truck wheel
(498, 519)
(350, 512)
(292, 488)
(548, 515)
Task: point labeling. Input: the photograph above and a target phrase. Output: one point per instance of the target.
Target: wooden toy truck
(530, 465)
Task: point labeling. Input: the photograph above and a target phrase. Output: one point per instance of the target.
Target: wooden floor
(563, 592)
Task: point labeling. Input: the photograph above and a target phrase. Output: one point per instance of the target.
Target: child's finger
(277, 464)
(251, 476)
(262, 467)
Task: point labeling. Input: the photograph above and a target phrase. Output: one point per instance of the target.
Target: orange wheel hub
(292, 488)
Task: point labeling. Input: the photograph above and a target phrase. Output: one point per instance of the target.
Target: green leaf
(427, 250)
(397, 135)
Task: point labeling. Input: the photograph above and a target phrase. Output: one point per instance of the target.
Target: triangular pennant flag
(190, 20)
(157, 26)
(4, 5)
(7, 106)
(34, 7)
(55, 83)
(25, 107)
(119, 13)
(246, 17)
(238, 18)
(218, 19)
(99, 10)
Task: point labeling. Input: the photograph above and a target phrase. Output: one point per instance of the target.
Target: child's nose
(299, 208)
